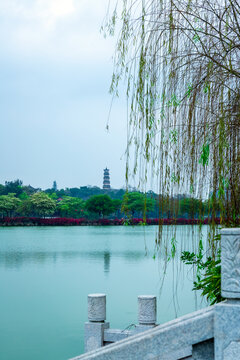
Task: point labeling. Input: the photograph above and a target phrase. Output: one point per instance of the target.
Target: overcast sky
(55, 72)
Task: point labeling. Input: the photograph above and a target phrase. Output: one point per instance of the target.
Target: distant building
(54, 187)
(106, 179)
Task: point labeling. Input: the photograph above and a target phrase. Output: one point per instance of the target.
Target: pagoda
(106, 179)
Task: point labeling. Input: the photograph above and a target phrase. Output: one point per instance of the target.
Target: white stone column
(227, 313)
(230, 263)
(94, 328)
(96, 307)
(147, 309)
(147, 313)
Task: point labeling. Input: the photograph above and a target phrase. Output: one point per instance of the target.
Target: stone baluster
(94, 328)
(227, 313)
(147, 312)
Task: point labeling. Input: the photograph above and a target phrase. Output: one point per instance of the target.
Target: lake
(46, 274)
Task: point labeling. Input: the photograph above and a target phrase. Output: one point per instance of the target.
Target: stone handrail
(209, 334)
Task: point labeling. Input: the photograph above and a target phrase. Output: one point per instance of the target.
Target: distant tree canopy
(14, 187)
(2, 189)
(25, 208)
(85, 192)
(71, 207)
(29, 200)
(117, 203)
(100, 204)
(137, 203)
(192, 207)
(8, 204)
(42, 205)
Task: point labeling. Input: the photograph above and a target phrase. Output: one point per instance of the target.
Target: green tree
(13, 187)
(100, 204)
(192, 207)
(25, 208)
(53, 196)
(23, 196)
(117, 203)
(138, 203)
(8, 204)
(42, 204)
(2, 189)
(71, 207)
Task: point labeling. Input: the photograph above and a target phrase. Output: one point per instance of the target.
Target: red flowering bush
(62, 221)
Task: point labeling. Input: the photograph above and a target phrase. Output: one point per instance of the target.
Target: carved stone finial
(96, 307)
(147, 309)
(230, 244)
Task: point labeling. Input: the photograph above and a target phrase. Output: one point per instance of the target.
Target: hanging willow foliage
(181, 62)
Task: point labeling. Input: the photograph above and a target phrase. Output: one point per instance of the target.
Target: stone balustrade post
(227, 313)
(147, 312)
(147, 309)
(94, 328)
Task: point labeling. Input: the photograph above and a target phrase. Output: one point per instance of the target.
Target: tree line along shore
(25, 205)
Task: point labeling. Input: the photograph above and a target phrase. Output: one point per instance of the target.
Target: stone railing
(209, 334)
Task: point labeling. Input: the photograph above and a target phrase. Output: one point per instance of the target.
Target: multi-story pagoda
(106, 179)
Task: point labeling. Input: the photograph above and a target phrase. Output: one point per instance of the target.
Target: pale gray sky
(55, 71)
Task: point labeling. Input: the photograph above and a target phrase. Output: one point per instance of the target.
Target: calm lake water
(46, 274)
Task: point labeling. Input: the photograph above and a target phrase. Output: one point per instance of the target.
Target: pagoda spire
(106, 179)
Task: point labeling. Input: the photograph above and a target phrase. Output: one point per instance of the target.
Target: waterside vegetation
(22, 205)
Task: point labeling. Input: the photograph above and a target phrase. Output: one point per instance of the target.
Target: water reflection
(129, 248)
(106, 257)
(17, 259)
(46, 274)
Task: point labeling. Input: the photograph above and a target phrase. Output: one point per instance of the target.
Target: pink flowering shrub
(36, 221)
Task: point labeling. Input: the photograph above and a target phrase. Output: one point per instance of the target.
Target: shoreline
(32, 221)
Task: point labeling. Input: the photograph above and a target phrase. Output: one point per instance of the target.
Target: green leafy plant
(208, 278)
